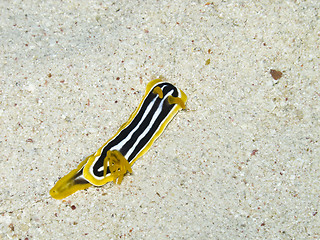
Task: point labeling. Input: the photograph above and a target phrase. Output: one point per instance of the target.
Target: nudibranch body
(111, 162)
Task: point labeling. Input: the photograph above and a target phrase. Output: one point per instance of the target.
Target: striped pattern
(136, 136)
(133, 139)
(159, 105)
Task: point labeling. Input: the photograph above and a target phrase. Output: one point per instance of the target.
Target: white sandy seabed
(242, 162)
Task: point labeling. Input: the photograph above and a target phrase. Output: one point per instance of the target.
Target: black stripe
(126, 147)
(166, 108)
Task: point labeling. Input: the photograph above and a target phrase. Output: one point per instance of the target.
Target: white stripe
(142, 135)
(154, 118)
(124, 141)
